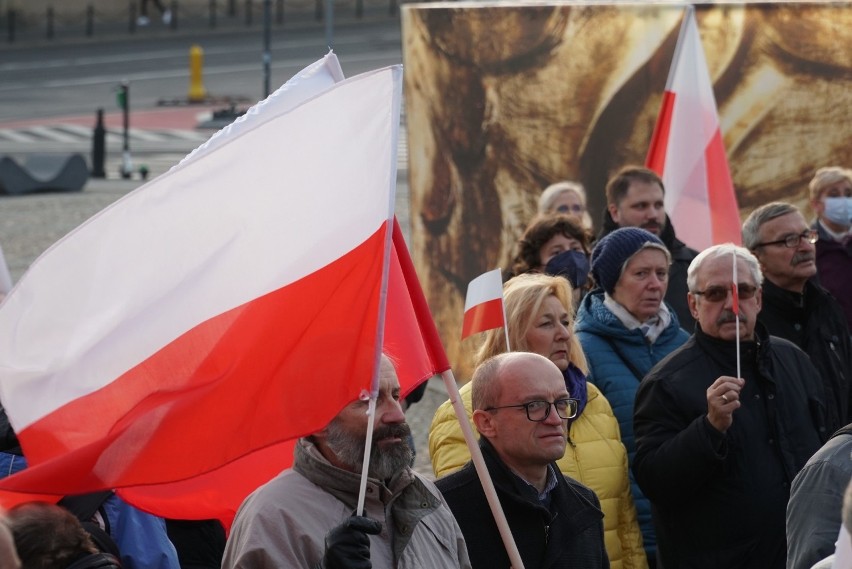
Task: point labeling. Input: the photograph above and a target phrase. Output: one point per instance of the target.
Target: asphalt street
(49, 95)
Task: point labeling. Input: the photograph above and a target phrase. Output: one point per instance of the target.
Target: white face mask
(839, 211)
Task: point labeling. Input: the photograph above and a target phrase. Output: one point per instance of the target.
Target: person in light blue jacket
(625, 328)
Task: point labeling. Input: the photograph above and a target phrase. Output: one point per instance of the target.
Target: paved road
(49, 95)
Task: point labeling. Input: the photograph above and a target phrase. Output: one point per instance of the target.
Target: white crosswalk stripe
(69, 133)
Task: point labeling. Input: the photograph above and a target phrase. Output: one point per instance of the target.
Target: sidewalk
(52, 22)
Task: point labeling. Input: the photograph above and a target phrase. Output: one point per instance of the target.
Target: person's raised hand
(347, 545)
(723, 398)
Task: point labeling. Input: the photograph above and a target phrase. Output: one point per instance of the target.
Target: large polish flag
(174, 345)
(483, 305)
(687, 149)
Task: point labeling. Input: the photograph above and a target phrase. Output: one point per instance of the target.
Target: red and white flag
(688, 153)
(483, 305)
(175, 344)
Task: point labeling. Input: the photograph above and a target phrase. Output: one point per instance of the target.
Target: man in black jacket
(798, 309)
(716, 451)
(521, 407)
(634, 198)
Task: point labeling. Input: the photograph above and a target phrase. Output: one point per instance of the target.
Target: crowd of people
(647, 406)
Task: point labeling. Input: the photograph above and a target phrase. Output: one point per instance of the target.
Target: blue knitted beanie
(611, 254)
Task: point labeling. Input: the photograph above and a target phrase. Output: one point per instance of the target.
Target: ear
(758, 298)
(692, 301)
(613, 212)
(484, 423)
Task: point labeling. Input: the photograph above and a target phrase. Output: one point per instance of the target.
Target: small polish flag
(483, 306)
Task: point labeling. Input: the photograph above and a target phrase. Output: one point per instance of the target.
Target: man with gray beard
(305, 517)
(716, 451)
(798, 309)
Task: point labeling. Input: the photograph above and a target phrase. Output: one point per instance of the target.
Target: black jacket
(718, 500)
(567, 534)
(682, 256)
(814, 321)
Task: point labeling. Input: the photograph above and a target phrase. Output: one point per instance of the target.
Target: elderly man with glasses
(723, 427)
(521, 407)
(798, 309)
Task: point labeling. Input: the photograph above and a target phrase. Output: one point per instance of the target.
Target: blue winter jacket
(607, 344)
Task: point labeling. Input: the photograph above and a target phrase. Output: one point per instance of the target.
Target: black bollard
(232, 8)
(90, 20)
(99, 147)
(49, 32)
(318, 10)
(359, 8)
(10, 23)
(392, 8)
(123, 97)
(279, 12)
(173, 24)
(212, 10)
(248, 12)
(131, 23)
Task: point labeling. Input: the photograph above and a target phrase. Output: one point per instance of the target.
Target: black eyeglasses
(792, 241)
(539, 410)
(720, 293)
(576, 208)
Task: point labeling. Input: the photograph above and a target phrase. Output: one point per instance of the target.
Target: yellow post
(197, 92)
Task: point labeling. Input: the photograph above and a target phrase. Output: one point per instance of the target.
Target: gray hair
(485, 389)
(553, 191)
(725, 249)
(825, 177)
(763, 214)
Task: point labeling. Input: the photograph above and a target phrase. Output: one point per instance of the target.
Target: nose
(553, 417)
(391, 412)
(562, 331)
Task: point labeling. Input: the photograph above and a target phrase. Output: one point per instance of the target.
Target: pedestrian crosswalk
(76, 138)
(71, 134)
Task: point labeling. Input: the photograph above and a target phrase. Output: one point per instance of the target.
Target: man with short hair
(831, 200)
(716, 453)
(798, 309)
(304, 517)
(634, 198)
(521, 407)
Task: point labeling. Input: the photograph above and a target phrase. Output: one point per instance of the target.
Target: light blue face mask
(839, 211)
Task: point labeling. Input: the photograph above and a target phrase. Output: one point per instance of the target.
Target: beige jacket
(284, 522)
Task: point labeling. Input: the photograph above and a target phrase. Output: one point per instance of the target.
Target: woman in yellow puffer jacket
(594, 455)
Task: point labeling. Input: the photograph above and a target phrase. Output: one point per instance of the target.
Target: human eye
(662, 275)
(534, 406)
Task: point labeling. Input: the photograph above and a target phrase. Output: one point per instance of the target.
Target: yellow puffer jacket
(594, 456)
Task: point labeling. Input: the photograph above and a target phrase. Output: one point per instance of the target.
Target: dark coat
(568, 534)
(682, 256)
(719, 500)
(814, 321)
(834, 267)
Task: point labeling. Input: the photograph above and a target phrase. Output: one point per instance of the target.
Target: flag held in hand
(483, 307)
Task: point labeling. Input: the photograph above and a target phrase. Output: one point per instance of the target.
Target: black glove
(347, 545)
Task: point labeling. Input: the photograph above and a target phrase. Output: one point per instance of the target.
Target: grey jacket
(284, 522)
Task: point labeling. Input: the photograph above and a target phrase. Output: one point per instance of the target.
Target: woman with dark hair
(555, 244)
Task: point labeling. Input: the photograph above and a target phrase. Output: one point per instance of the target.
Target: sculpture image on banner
(504, 99)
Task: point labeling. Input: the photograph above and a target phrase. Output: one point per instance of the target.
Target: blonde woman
(538, 309)
(568, 198)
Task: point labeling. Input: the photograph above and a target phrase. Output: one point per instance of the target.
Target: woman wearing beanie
(539, 313)
(625, 328)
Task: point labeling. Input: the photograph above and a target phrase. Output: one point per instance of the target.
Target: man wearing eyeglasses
(795, 307)
(635, 198)
(723, 427)
(521, 408)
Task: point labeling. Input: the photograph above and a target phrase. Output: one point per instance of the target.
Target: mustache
(729, 316)
(651, 225)
(402, 431)
(802, 257)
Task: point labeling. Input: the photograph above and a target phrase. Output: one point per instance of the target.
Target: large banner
(504, 99)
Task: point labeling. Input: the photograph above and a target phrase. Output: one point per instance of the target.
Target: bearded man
(304, 517)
